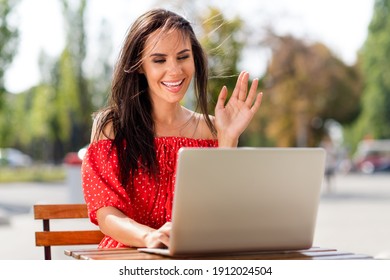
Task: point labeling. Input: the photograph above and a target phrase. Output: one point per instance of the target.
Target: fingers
(243, 89)
(252, 99)
(252, 93)
(160, 237)
(237, 88)
(164, 239)
(221, 98)
(164, 233)
(257, 103)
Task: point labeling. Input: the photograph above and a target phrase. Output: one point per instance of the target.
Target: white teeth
(175, 84)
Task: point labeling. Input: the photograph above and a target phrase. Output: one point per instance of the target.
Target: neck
(168, 115)
(177, 122)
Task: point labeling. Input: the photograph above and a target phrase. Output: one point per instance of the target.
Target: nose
(174, 68)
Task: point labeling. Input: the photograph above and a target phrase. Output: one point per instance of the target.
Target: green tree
(39, 130)
(67, 102)
(14, 120)
(7, 121)
(223, 40)
(9, 36)
(374, 121)
(306, 85)
(100, 81)
(71, 119)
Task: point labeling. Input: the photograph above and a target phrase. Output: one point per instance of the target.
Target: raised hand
(232, 118)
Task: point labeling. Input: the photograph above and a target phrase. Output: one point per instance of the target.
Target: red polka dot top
(149, 200)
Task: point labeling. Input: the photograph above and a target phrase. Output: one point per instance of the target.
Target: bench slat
(58, 238)
(60, 211)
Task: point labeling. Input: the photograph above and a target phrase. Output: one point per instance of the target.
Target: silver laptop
(244, 199)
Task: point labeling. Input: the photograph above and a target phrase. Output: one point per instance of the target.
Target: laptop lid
(245, 199)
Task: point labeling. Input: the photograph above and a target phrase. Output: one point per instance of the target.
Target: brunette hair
(130, 109)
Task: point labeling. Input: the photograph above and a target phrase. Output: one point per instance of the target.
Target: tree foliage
(9, 36)
(374, 121)
(72, 81)
(306, 85)
(100, 78)
(55, 114)
(223, 41)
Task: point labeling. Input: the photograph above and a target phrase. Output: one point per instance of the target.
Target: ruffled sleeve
(100, 179)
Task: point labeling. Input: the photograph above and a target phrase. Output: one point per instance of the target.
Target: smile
(173, 84)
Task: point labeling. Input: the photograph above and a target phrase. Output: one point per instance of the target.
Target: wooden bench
(48, 238)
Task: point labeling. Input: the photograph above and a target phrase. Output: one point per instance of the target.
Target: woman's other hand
(160, 237)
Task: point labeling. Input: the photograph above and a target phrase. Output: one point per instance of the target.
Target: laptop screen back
(246, 199)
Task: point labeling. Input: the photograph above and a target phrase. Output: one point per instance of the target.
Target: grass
(32, 174)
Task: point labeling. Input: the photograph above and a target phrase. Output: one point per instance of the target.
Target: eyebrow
(161, 54)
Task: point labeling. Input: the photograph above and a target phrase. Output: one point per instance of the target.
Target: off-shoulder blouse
(149, 199)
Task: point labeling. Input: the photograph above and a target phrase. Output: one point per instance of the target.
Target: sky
(339, 24)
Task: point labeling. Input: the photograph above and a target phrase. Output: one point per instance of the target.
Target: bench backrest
(48, 238)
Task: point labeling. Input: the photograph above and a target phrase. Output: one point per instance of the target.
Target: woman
(128, 172)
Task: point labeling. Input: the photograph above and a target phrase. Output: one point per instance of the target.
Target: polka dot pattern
(147, 199)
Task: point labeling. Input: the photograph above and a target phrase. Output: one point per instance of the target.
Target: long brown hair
(130, 108)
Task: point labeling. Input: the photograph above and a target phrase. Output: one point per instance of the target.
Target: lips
(173, 86)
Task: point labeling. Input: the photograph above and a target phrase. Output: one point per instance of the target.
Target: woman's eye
(183, 57)
(159, 61)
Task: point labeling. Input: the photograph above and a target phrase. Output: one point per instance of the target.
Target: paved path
(353, 217)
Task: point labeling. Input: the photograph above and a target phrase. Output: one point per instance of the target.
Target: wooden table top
(314, 253)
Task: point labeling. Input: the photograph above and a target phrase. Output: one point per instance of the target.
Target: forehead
(168, 41)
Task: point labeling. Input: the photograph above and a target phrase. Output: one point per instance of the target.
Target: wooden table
(314, 253)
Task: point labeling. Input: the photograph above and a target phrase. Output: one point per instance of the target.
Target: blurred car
(373, 156)
(72, 158)
(14, 158)
(75, 158)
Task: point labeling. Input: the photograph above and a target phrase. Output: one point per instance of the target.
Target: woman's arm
(114, 223)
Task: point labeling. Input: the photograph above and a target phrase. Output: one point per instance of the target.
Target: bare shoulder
(101, 127)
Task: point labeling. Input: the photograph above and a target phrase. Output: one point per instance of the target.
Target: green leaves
(375, 119)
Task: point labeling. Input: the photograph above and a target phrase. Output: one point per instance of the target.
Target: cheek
(190, 68)
(151, 74)
(193, 65)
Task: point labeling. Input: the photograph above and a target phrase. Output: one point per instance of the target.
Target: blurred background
(324, 68)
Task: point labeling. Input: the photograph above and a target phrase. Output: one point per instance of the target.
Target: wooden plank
(108, 252)
(57, 238)
(78, 253)
(273, 256)
(145, 256)
(60, 211)
(133, 254)
(126, 256)
(314, 253)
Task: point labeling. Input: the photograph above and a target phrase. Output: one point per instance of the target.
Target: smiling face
(168, 66)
